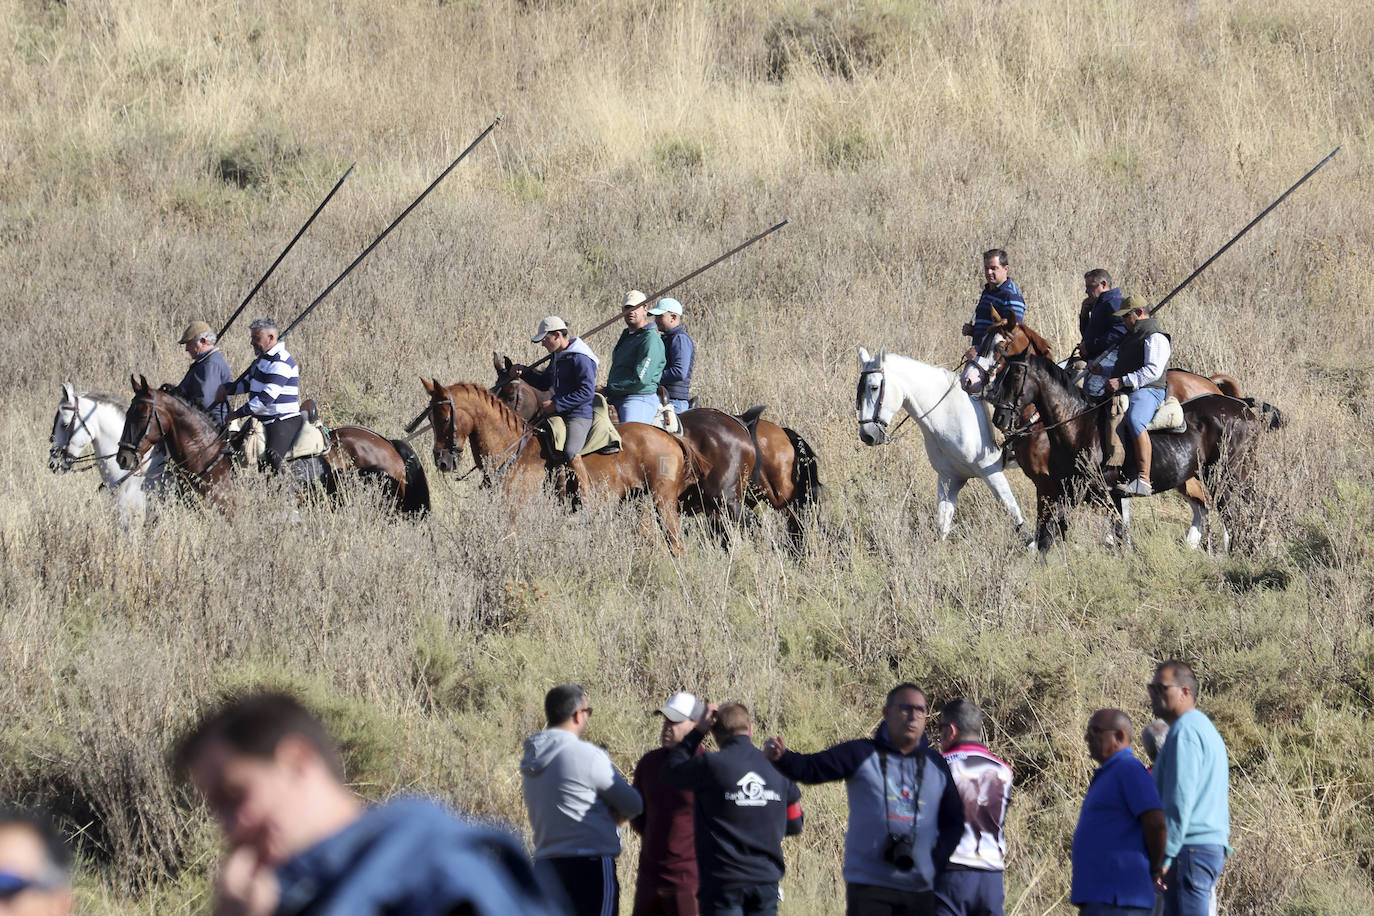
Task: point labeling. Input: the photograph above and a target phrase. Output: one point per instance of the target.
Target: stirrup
(1137, 487)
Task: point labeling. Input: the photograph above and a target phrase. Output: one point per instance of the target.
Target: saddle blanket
(312, 440)
(603, 433)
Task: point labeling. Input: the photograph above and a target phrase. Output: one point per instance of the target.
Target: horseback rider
(1100, 327)
(679, 351)
(1141, 363)
(208, 371)
(636, 364)
(1000, 293)
(572, 377)
(273, 386)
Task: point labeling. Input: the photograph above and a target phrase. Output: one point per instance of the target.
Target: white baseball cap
(667, 305)
(683, 706)
(551, 323)
(633, 298)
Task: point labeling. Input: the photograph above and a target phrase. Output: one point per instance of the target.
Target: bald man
(1118, 845)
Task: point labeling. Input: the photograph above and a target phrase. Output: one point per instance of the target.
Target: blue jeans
(1111, 909)
(679, 404)
(755, 900)
(1192, 879)
(1144, 403)
(636, 408)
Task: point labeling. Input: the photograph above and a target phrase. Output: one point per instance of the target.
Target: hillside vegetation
(155, 156)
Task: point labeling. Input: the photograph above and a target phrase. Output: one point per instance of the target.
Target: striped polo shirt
(273, 386)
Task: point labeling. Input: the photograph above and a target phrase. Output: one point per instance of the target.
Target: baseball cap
(633, 298)
(194, 331)
(551, 323)
(1132, 303)
(665, 306)
(683, 706)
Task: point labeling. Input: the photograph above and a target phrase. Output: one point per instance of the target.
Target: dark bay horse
(198, 451)
(1008, 337)
(650, 461)
(1219, 440)
(750, 460)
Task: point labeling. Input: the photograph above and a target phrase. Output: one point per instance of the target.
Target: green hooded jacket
(636, 363)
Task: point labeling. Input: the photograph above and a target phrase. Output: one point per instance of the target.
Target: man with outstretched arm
(905, 816)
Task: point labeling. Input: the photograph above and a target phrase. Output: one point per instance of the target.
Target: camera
(898, 851)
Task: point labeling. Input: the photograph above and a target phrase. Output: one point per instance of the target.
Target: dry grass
(153, 158)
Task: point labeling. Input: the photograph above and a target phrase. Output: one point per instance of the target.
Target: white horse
(957, 433)
(88, 420)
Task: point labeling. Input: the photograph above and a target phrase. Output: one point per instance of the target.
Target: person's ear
(295, 755)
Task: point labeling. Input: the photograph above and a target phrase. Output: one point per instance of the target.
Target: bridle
(503, 460)
(154, 414)
(1016, 406)
(59, 457)
(877, 418)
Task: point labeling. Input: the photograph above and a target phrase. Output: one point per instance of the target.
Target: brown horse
(650, 461)
(751, 460)
(197, 450)
(1007, 337)
(1220, 437)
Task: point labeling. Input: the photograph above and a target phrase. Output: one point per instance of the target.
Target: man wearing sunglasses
(905, 814)
(35, 866)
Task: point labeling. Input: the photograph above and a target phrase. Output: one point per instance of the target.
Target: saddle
(603, 438)
(1168, 418)
(311, 441)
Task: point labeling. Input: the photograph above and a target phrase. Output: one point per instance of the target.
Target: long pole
(1097, 361)
(1248, 226)
(254, 291)
(659, 294)
(387, 231)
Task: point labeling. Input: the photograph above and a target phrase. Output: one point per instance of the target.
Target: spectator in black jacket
(744, 807)
(905, 815)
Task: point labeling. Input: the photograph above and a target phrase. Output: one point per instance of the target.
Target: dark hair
(562, 701)
(997, 253)
(254, 724)
(964, 715)
(1183, 673)
(905, 685)
(57, 858)
(1097, 275)
(731, 719)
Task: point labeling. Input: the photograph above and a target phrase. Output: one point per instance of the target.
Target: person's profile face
(551, 342)
(252, 798)
(1093, 290)
(23, 864)
(262, 340)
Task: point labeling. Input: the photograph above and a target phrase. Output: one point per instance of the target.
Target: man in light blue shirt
(1191, 774)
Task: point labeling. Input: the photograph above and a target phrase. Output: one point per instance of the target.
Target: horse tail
(750, 419)
(1273, 417)
(806, 471)
(415, 499)
(1227, 385)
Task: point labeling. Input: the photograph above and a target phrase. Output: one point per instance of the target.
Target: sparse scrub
(640, 140)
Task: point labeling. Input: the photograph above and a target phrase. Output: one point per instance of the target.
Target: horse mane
(1060, 375)
(101, 397)
(503, 410)
(1039, 344)
(190, 405)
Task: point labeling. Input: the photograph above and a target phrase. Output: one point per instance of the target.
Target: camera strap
(916, 799)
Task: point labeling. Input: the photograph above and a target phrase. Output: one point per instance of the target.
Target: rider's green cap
(1132, 303)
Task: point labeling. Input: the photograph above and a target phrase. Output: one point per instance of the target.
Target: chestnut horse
(504, 446)
(751, 460)
(1220, 436)
(1008, 337)
(199, 454)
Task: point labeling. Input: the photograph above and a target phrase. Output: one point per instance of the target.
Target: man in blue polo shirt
(1118, 845)
(1000, 293)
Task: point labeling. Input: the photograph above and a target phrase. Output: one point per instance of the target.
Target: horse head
(71, 436)
(451, 426)
(1011, 390)
(143, 427)
(874, 404)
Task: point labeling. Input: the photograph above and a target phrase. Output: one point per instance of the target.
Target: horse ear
(68, 393)
(146, 386)
(996, 318)
(864, 356)
(133, 382)
(496, 361)
(882, 356)
(429, 385)
(438, 388)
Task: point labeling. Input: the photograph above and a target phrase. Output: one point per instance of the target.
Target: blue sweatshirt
(201, 383)
(1191, 773)
(681, 354)
(572, 376)
(879, 808)
(1104, 329)
(410, 857)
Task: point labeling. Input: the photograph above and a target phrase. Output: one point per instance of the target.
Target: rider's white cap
(551, 323)
(683, 706)
(633, 298)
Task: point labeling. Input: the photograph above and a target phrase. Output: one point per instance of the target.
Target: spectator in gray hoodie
(576, 801)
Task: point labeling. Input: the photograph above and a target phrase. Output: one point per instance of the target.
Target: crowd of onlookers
(925, 832)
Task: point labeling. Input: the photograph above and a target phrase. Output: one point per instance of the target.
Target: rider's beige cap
(194, 331)
(551, 323)
(1132, 303)
(633, 298)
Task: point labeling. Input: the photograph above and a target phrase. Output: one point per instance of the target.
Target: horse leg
(1198, 527)
(665, 504)
(1121, 522)
(997, 483)
(946, 495)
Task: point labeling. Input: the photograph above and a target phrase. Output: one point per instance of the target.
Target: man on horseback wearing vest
(572, 376)
(207, 373)
(1141, 363)
(273, 386)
